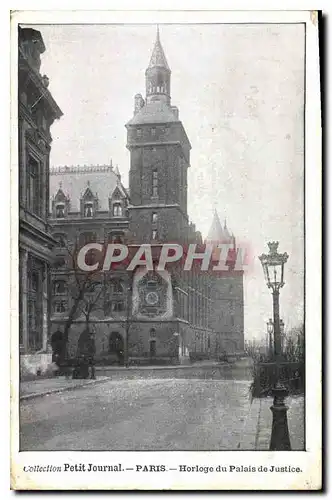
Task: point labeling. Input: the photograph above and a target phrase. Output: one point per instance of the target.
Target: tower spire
(158, 74)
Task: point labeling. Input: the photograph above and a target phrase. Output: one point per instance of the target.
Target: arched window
(154, 217)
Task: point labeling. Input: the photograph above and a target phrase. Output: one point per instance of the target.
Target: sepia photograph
(161, 253)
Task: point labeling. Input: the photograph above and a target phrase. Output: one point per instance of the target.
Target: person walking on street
(86, 350)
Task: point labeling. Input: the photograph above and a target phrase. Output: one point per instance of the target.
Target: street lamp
(269, 327)
(273, 266)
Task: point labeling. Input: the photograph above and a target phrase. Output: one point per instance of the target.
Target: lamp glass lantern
(269, 326)
(273, 266)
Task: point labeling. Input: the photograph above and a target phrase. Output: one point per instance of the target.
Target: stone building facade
(146, 315)
(37, 110)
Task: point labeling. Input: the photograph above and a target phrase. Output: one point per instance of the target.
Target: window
(34, 194)
(232, 320)
(118, 306)
(153, 349)
(86, 238)
(153, 132)
(88, 210)
(60, 211)
(139, 133)
(116, 287)
(155, 183)
(115, 238)
(35, 311)
(154, 217)
(152, 333)
(44, 123)
(154, 234)
(115, 343)
(117, 210)
(60, 306)
(59, 287)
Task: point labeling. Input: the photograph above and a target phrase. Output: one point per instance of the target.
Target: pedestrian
(59, 350)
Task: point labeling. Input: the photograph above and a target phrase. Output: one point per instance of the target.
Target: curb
(63, 389)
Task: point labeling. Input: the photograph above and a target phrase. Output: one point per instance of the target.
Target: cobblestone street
(151, 415)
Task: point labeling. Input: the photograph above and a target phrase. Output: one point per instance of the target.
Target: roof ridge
(69, 169)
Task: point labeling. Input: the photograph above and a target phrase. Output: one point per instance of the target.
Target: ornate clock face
(152, 298)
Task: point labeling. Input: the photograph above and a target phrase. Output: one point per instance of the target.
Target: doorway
(116, 346)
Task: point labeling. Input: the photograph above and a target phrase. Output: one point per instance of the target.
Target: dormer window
(88, 210)
(115, 238)
(117, 210)
(60, 204)
(60, 211)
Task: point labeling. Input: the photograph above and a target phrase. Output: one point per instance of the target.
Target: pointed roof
(227, 234)
(216, 232)
(158, 57)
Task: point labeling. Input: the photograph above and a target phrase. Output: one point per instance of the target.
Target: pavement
(42, 387)
(152, 414)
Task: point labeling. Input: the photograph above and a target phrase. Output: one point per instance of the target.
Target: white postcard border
(309, 461)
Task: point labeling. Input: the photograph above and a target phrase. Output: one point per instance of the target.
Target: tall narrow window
(154, 217)
(117, 210)
(35, 313)
(154, 234)
(153, 348)
(88, 210)
(34, 186)
(155, 183)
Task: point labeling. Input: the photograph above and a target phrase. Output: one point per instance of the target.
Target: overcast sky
(240, 92)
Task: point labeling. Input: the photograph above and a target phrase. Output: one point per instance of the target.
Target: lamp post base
(280, 435)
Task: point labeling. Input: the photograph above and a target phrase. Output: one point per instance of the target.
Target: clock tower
(159, 160)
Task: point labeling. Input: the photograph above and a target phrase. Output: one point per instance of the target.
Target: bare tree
(85, 288)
